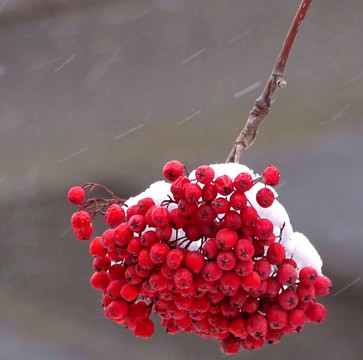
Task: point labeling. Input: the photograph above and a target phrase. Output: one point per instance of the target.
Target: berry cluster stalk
(262, 105)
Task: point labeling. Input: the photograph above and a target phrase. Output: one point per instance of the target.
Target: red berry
(80, 220)
(257, 326)
(96, 248)
(237, 327)
(226, 239)
(322, 285)
(277, 317)
(137, 223)
(249, 216)
(144, 329)
(226, 260)
(244, 249)
(159, 252)
(144, 205)
(173, 170)
(243, 182)
(183, 278)
(76, 195)
(308, 275)
(265, 197)
(174, 259)
(230, 345)
(286, 275)
(100, 281)
(251, 282)
(276, 254)
(210, 249)
(211, 271)
(288, 299)
(117, 309)
(176, 219)
(123, 234)
(192, 193)
(244, 267)
(305, 293)
(224, 185)
(194, 261)
(209, 193)
(204, 174)
(316, 313)
(220, 205)
(129, 292)
(160, 216)
(238, 200)
(115, 214)
(297, 319)
(263, 268)
(271, 176)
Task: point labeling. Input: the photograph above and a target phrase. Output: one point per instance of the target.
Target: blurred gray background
(107, 91)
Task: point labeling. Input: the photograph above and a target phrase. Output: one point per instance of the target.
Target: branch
(262, 105)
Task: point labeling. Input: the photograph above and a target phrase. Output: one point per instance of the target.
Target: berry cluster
(203, 259)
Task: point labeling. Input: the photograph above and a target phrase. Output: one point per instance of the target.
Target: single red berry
(172, 170)
(251, 306)
(232, 220)
(263, 268)
(226, 260)
(193, 232)
(316, 313)
(244, 267)
(159, 252)
(251, 282)
(244, 249)
(144, 205)
(237, 327)
(257, 326)
(186, 208)
(273, 288)
(108, 240)
(286, 275)
(137, 223)
(249, 216)
(194, 261)
(243, 182)
(160, 216)
(129, 292)
(115, 214)
(226, 239)
(84, 234)
(265, 197)
(322, 285)
(80, 220)
(305, 293)
(134, 246)
(100, 281)
(114, 288)
(176, 219)
(271, 176)
(116, 272)
(238, 299)
(96, 248)
(117, 309)
(144, 329)
(211, 271)
(276, 254)
(230, 280)
(164, 232)
(148, 238)
(122, 234)
(183, 278)
(204, 174)
(145, 259)
(307, 275)
(238, 200)
(288, 299)
(192, 193)
(220, 205)
(209, 193)
(230, 345)
(297, 319)
(132, 276)
(131, 211)
(174, 259)
(224, 185)
(263, 228)
(76, 195)
(210, 249)
(101, 264)
(277, 317)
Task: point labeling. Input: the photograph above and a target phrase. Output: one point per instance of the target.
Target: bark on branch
(262, 105)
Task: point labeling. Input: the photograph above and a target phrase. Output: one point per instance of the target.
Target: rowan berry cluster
(203, 259)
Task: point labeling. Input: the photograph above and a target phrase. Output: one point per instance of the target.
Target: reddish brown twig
(262, 105)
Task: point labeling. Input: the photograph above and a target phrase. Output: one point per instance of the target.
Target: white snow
(296, 244)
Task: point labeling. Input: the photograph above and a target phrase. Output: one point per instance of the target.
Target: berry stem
(262, 105)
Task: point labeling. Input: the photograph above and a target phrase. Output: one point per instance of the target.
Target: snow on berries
(211, 253)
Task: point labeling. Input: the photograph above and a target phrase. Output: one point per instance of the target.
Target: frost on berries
(212, 253)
